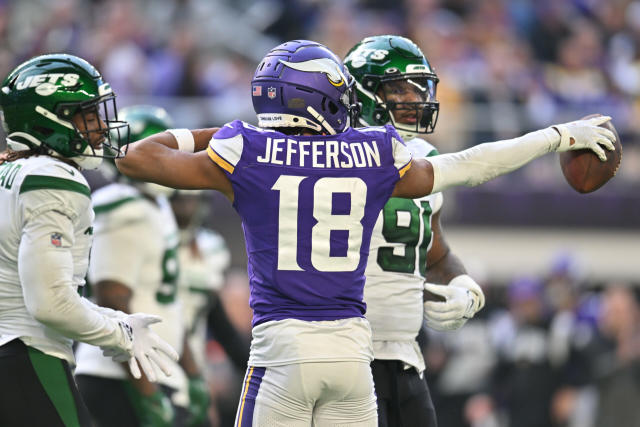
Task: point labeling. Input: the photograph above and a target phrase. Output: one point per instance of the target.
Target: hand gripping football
(584, 171)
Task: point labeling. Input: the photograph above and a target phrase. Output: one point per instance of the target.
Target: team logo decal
(56, 239)
(271, 92)
(257, 91)
(320, 65)
(358, 61)
(48, 84)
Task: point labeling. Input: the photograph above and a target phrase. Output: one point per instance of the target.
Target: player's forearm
(234, 344)
(445, 269)
(142, 384)
(483, 162)
(105, 311)
(150, 159)
(187, 361)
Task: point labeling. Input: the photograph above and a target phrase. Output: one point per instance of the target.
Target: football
(584, 171)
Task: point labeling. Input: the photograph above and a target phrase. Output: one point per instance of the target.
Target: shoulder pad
(119, 203)
(420, 148)
(225, 148)
(48, 173)
(229, 130)
(382, 129)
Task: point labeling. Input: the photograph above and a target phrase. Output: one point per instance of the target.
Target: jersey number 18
(289, 188)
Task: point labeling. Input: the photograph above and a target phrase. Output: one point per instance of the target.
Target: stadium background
(550, 258)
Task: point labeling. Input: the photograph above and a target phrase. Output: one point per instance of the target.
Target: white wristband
(185, 140)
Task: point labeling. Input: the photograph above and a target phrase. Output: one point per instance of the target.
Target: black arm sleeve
(235, 345)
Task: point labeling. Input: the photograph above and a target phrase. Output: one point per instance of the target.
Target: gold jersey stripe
(219, 160)
(244, 395)
(404, 169)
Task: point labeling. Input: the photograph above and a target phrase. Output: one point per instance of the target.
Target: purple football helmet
(302, 84)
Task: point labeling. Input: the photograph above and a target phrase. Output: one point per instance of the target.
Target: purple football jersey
(308, 206)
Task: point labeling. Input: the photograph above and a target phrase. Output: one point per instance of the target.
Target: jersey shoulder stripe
(402, 156)
(215, 158)
(48, 173)
(107, 207)
(46, 182)
(118, 203)
(226, 146)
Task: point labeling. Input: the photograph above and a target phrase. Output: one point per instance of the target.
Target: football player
(203, 257)
(397, 85)
(309, 188)
(134, 267)
(58, 114)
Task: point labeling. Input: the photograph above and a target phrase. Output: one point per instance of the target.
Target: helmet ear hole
(43, 130)
(380, 114)
(333, 108)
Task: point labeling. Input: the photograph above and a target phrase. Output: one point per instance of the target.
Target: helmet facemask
(396, 85)
(408, 102)
(94, 122)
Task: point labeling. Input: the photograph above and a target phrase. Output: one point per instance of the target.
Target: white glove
(463, 299)
(146, 348)
(116, 354)
(582, 134)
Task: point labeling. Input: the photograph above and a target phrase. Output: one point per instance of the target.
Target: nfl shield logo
(56, 239)
(271, 92)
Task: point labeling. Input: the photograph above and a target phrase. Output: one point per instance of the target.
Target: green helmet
(44, 98)
(379, 64)
(145, 120)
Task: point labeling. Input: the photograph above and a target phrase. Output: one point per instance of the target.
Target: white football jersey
(395, 272)
(203, 261)
(136, 243)
(28, 188)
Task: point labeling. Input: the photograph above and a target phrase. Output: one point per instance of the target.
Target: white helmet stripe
(49, 115)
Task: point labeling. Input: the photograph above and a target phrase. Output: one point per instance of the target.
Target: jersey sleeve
(423, 149)
(401, 154)
(420, 148)
(225, 148)
(45, 267)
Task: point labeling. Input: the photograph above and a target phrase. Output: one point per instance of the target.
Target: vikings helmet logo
(321, 65)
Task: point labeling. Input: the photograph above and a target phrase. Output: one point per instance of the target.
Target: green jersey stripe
(433, 152)
(51, 374)
(43, 182)
(100, 209)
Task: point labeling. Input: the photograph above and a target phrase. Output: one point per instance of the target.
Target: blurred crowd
(546, 351)
(550, 351)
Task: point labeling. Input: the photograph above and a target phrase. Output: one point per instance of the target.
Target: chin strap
(321, 119)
